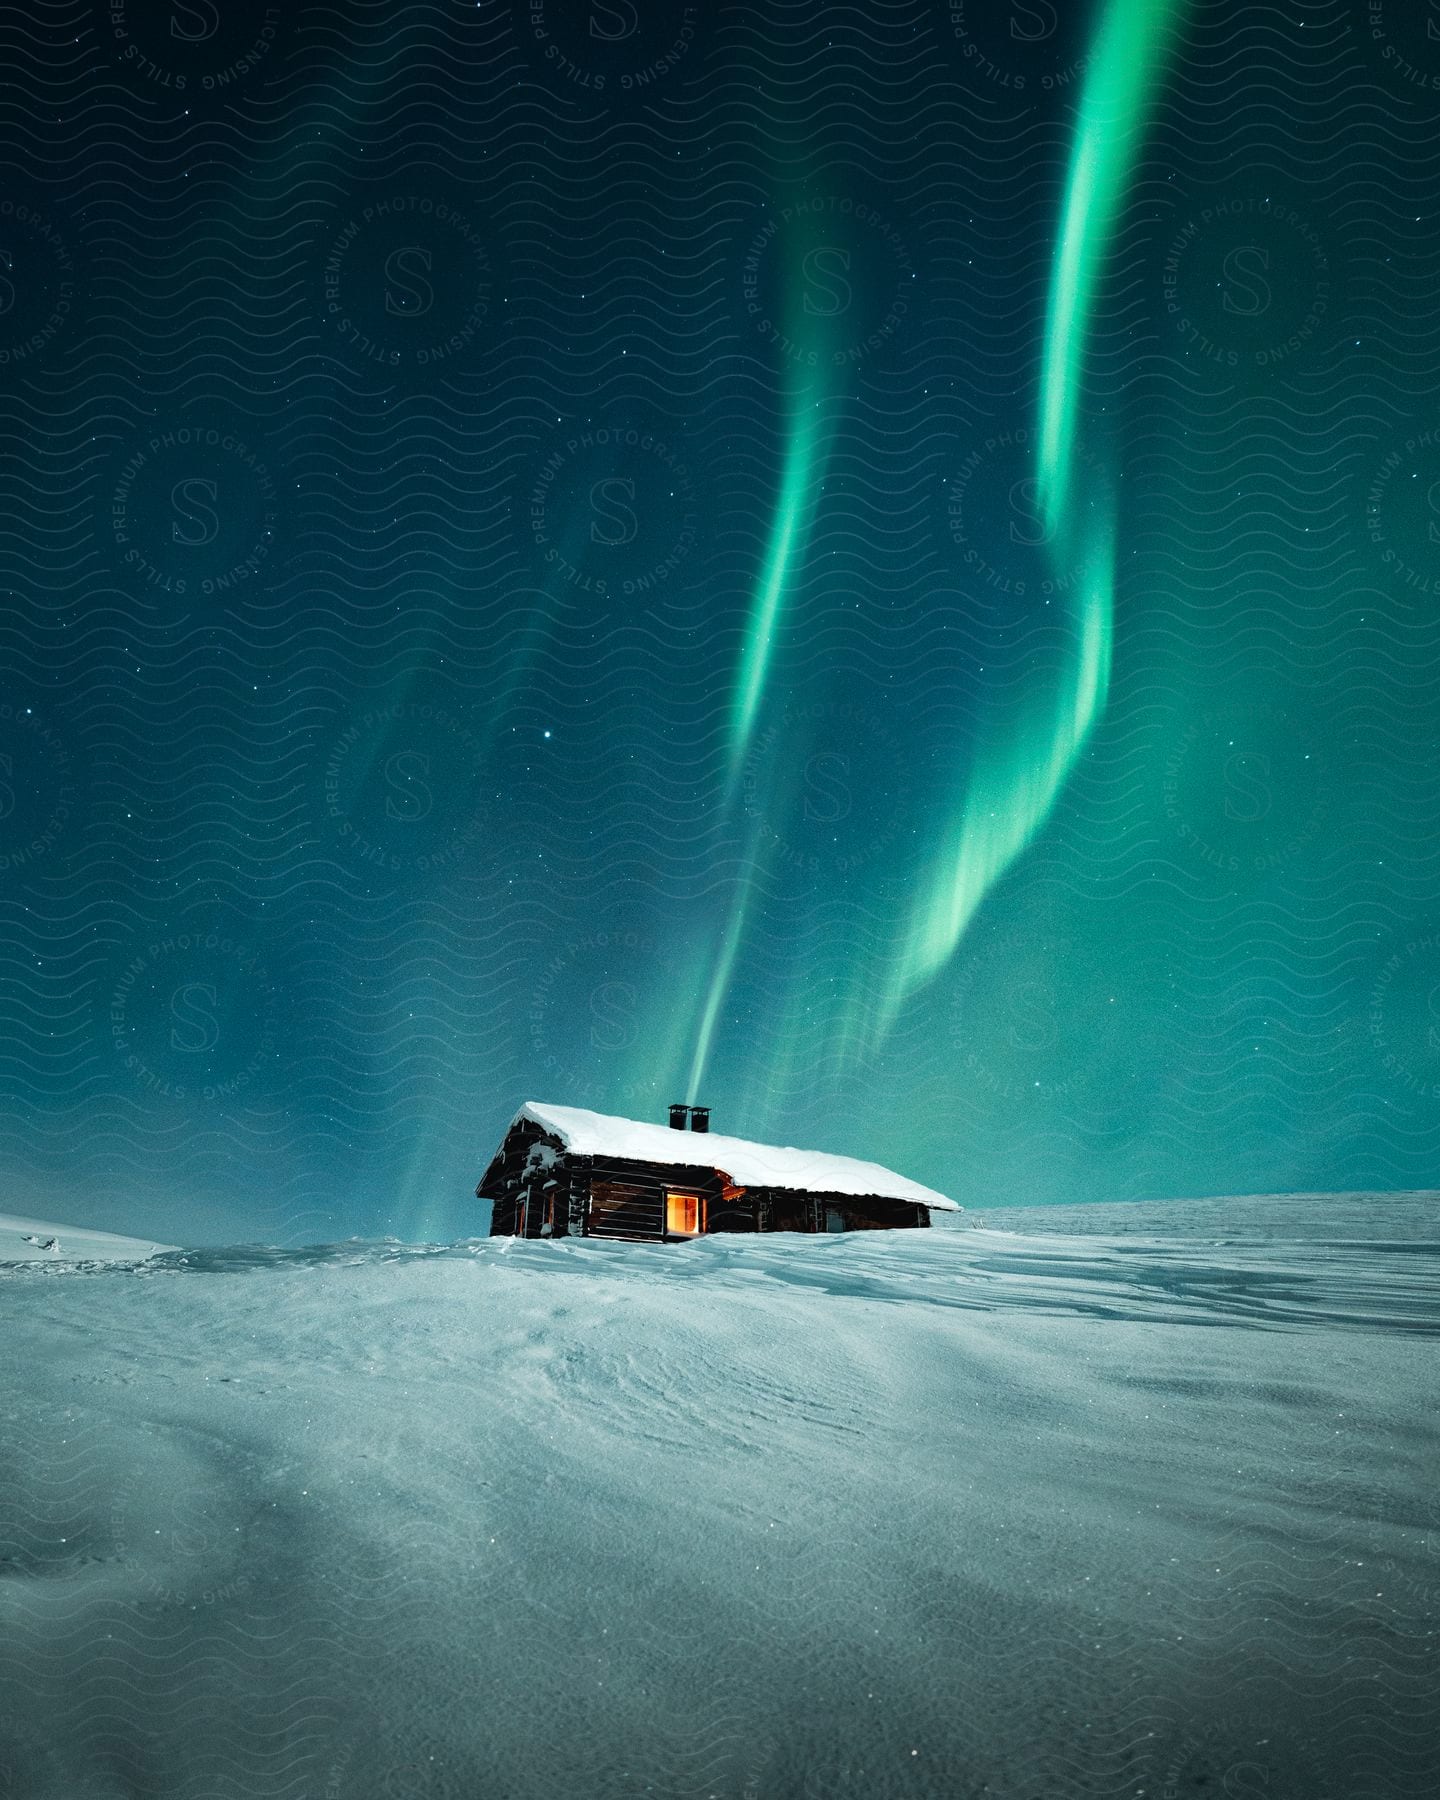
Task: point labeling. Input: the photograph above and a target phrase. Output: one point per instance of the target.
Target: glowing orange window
(684, 1214)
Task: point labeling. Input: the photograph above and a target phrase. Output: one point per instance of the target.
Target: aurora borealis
(875, 571)
(1013, 786)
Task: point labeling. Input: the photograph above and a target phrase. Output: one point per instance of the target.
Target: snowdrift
(936, 1513)
(32, 1240)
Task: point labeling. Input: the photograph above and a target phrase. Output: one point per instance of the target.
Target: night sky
(526, 552)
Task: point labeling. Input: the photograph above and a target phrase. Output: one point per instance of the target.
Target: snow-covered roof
(747, 1165)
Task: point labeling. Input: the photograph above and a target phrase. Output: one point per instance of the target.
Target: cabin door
(684, 1214)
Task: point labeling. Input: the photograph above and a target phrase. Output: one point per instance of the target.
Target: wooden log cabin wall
(539, 1186)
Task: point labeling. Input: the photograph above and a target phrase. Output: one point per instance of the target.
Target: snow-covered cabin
(564, 1171)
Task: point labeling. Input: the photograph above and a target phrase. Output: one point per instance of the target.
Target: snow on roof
(747, 1164)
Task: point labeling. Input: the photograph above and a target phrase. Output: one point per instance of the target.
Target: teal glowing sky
(1025, 751)
(877, 574)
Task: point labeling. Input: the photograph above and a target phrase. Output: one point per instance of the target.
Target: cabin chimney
(678, 1115)
(699, 1118)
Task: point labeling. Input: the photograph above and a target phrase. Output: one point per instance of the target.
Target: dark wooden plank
(619, 1197)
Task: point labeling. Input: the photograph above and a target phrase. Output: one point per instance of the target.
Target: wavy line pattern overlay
(874, 567)
(528, 534)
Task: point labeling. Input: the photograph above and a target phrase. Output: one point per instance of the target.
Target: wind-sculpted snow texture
(941, 1514)
(33, 1240)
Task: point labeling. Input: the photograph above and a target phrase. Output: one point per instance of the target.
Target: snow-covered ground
(1306, 1218)
(32, 1240)
(948, 1513)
